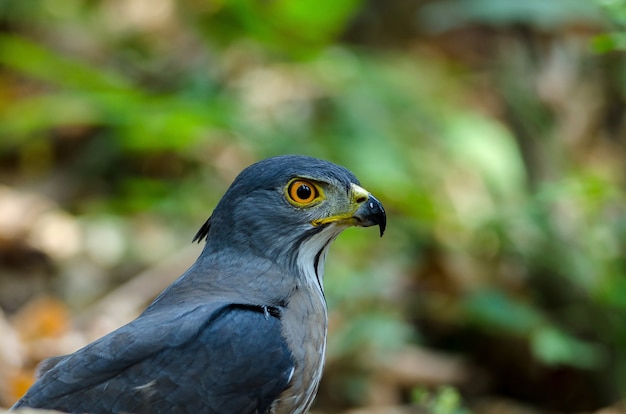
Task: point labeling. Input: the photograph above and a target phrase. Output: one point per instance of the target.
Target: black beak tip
(376, 215)
(382, 221)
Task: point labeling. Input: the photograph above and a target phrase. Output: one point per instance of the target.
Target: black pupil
(303, 191)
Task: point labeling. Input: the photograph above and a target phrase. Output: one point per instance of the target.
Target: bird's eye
(302, 191)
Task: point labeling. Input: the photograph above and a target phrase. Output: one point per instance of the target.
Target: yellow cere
(358, 195)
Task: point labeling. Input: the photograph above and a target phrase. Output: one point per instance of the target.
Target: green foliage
(506, 216)
(545, 14)
(494, 311)
(615, 10)
(557, 348)
(294, 27)
(445, 400)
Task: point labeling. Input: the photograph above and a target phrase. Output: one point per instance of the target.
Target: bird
(243, 330)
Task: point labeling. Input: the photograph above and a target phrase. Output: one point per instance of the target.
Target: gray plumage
(243, 330)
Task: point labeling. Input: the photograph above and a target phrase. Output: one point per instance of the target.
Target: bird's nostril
(361, 199)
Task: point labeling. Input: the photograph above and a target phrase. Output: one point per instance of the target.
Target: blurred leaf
(608, 42)
(20, 120)
(449, 14)
(555, 347)
(42, 318)
(611, 289)
(370, 331)
(445, 400)
(310, 21)
(17, 385)
(29, 58)
(489, 148)
(614, 10)
(494, 311)
(95, 96)
(297, 27)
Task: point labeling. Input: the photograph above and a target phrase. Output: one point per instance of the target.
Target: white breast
(305, 320)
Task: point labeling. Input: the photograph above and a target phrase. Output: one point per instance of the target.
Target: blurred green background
(493, 131)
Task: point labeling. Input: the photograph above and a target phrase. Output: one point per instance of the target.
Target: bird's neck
(306, 340)
(311, 258)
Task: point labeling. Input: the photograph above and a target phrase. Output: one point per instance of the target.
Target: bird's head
(289, 207)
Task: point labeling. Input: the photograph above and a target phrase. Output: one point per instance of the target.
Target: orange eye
(302, 191)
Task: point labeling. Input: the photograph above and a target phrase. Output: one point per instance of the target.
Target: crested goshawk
(243, 330)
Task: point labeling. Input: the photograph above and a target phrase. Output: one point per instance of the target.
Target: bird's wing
(211, 359)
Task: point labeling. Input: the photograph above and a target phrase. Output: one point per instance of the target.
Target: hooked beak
(366, 211)
(371, 213)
